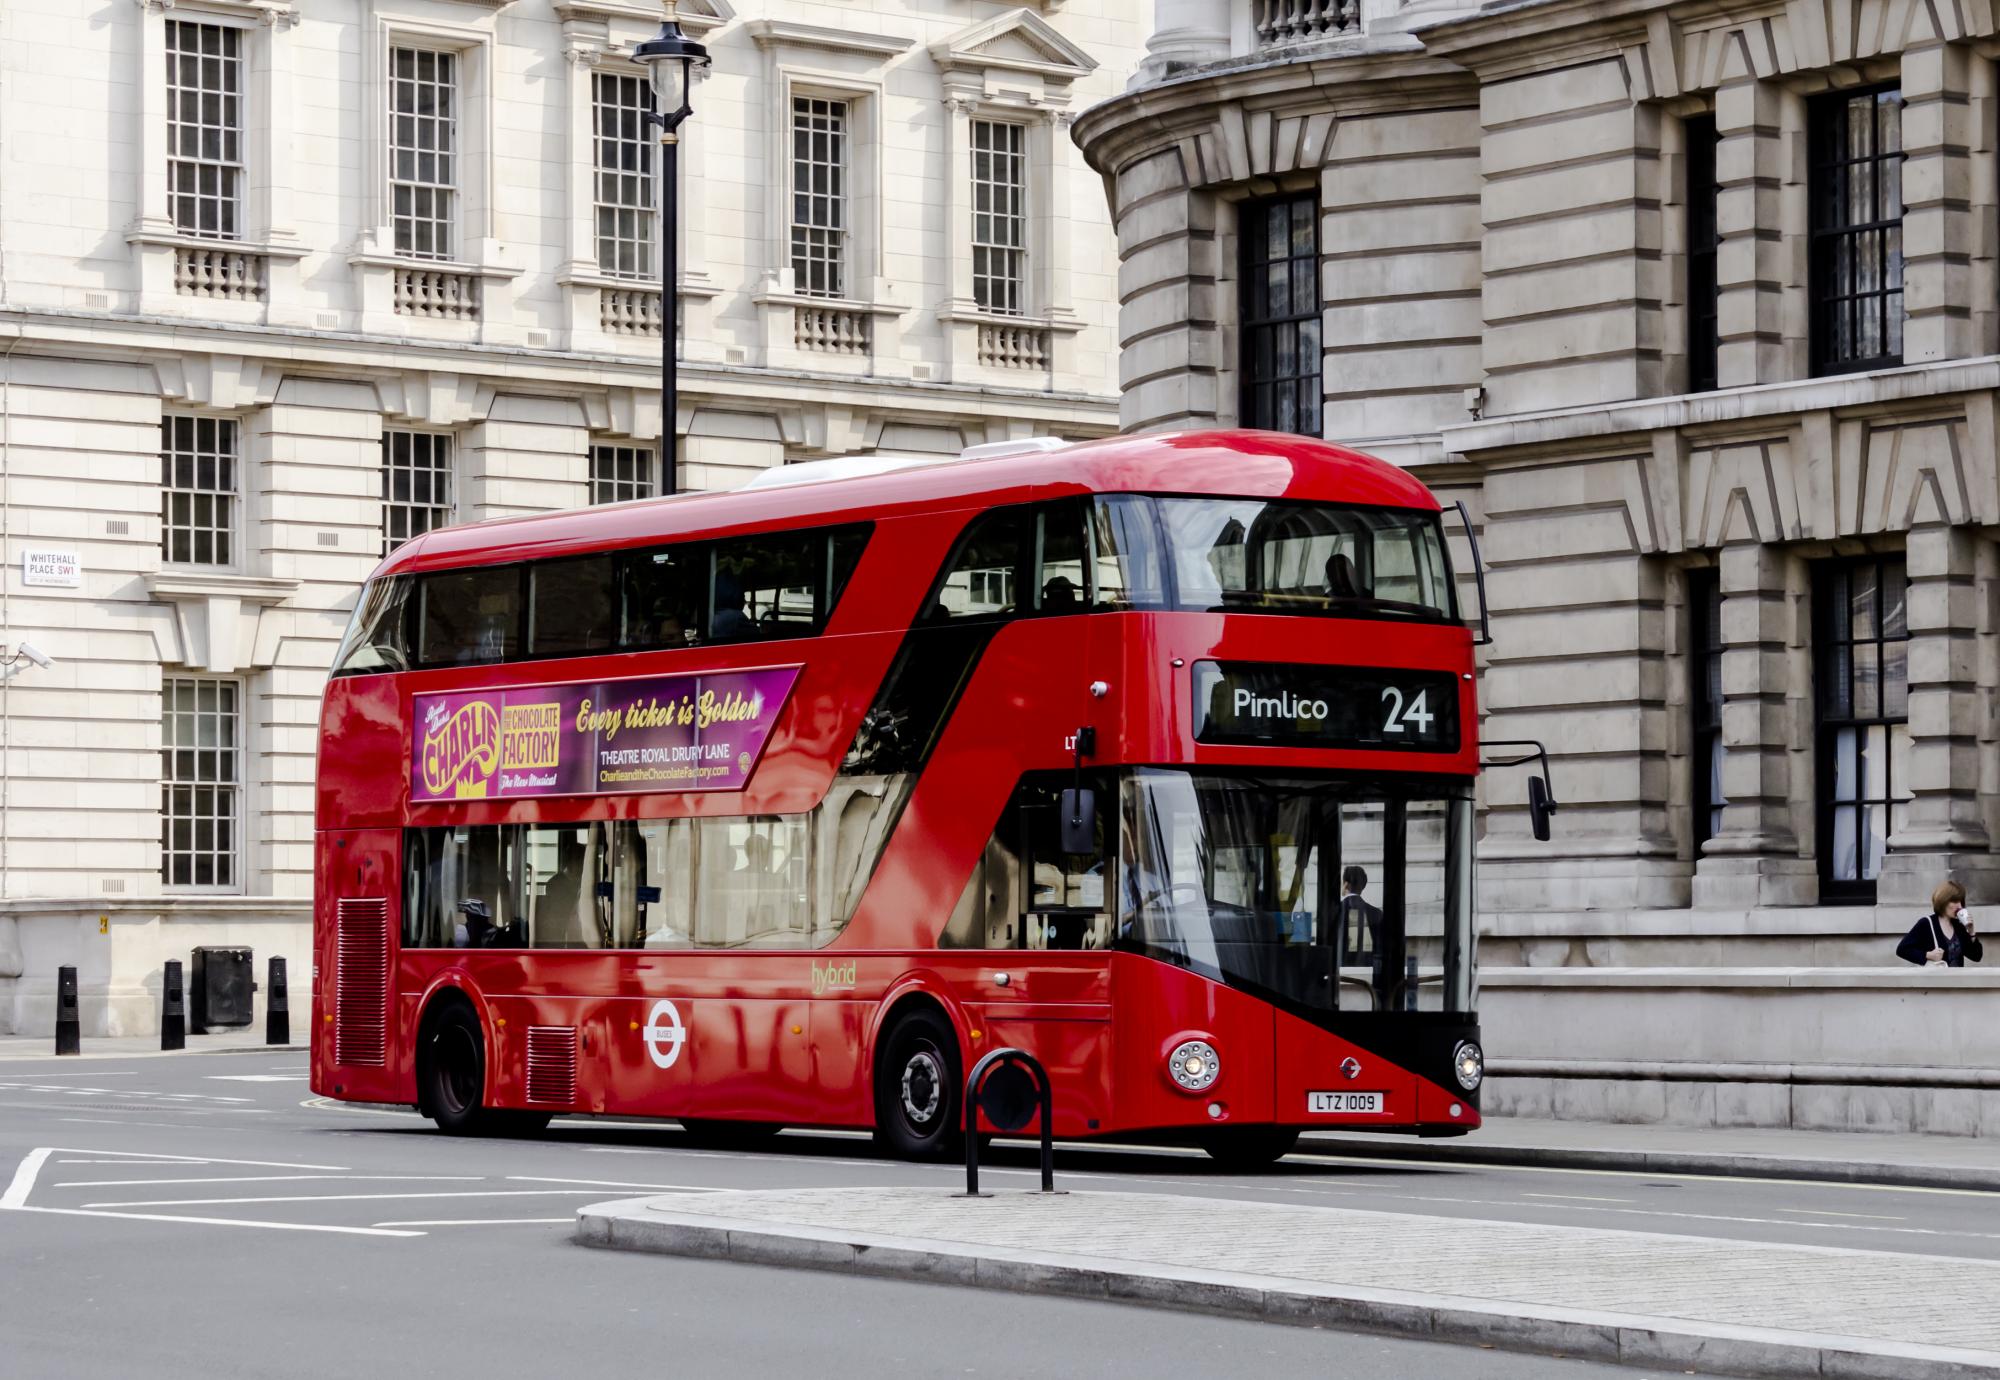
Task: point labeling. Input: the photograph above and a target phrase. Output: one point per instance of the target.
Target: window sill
(1061, 323)
(591, 278)
(797, 300)
(174, 239)
(179, 583)
(452, 266)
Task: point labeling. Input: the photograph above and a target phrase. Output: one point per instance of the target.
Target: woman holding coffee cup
(1945, 936)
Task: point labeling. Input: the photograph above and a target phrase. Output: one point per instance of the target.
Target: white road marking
(353, 1197)
(255, 1078)
(272, 1178)
(218, 1221)
(486, 1222)
(201, 1159)
(1867, 1216)
(602, 1183)
(1575, 1198)
(24, 1179)
(104, 1121)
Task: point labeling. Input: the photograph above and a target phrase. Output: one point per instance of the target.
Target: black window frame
(1705, 700)
(844, 546)
(1260, 330)
(1701, 197)
(1835, 169)
(1833, 634)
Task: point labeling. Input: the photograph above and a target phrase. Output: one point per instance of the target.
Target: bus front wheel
(918, 1088)
(1249, 1147)
(452, 1073)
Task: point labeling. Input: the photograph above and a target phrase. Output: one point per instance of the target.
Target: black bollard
(173, 1007)
(69, 1029)
(277, 1007)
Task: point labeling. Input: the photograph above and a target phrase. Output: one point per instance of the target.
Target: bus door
(1045, 920)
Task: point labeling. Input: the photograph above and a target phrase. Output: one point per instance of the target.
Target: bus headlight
(1194, 1066)
(1468, 1064)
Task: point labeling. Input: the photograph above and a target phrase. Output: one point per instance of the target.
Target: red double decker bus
(1153, 757)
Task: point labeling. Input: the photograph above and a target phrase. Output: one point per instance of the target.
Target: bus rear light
(1193, 1066)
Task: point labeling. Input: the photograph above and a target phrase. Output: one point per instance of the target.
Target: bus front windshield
(1349, 893)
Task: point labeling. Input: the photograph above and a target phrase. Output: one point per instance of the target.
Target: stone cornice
(1759, 408)
(178, 584)
(1361, 77)
(364, 359)
(781, 33)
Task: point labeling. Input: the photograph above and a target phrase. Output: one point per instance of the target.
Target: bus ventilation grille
(552, 1065)
(361, 983)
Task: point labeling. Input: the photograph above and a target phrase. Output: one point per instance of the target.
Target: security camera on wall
(35, 654)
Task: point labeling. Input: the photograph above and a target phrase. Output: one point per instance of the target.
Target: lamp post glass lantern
(670, 58)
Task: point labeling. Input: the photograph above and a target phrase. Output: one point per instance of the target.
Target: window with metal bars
(1704, 653)
(1278, 337)
(1861, 668)
(621, 472)
(197, 490)
(819, 196)
(1703, 297)
(201, 781)
(1857, 230)
(205, 129)
(1000, 216)
(416, 485)
(423, 150)
(625, 215)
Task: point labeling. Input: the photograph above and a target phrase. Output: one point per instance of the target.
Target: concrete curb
(1811, 1169)
(10, 1055)
(637, 1225)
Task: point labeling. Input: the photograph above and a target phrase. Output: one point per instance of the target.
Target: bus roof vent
(1027, 445)
(840, 467)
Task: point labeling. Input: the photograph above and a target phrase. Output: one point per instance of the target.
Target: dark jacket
(1958, 946)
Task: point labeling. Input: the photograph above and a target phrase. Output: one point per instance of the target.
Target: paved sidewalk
(1750, 1152)
(1643, 1298)
(246, 1041)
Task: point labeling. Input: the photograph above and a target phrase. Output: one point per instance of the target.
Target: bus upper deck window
(378, 636)
(1125, 554)
(470, 616)
(767, 586)
(986, 577)
(663, 595)
(572, 606)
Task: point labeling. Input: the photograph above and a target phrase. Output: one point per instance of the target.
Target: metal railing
(1011, 1088)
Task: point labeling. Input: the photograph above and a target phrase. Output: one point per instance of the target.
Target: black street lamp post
(670, 57)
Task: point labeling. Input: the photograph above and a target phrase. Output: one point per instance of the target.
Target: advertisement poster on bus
(661, 733)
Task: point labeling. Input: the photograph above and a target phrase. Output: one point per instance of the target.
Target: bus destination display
(657, 733)
(1280, 704)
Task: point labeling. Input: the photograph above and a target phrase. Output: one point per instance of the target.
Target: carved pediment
(1017, 41)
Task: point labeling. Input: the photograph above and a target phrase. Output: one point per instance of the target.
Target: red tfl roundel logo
(1351, 1066)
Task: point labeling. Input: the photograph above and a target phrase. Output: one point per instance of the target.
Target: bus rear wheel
(451, 1073)
(1249, 1147)
(918, 1086)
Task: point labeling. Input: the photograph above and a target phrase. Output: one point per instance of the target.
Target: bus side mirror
(1079, 821)
(1540, 807)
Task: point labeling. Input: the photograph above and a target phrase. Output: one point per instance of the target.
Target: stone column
(271, 166)
(1185, 33)
(1750, 266)
(1939, 228)
(1755, 858)
(1943, 834)
(962, 336)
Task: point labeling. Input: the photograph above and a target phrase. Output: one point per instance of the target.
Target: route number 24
(1401, 715)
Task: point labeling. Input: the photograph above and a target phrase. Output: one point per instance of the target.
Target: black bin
(219, 989)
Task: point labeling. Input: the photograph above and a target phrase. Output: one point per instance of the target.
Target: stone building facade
(1693, 306)
(281, 283)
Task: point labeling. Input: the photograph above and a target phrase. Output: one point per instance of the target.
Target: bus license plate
(1369, 1102)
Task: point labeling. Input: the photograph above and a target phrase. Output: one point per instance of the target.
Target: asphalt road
(204, 1215)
